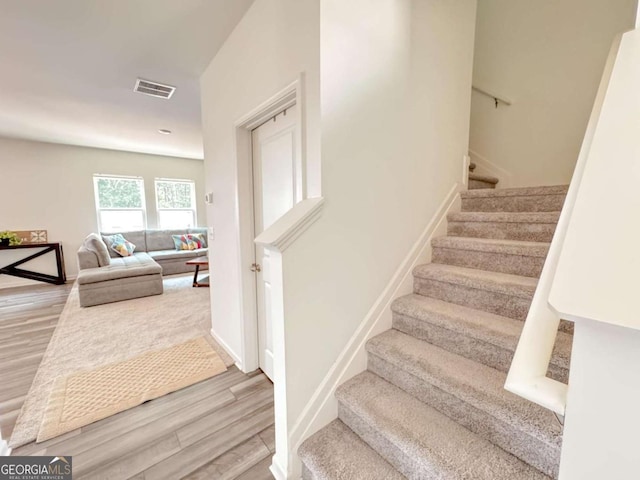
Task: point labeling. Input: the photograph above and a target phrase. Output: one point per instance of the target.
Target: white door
(274, 192)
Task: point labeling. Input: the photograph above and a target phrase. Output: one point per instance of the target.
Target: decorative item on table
(30, 237)
(8, 238)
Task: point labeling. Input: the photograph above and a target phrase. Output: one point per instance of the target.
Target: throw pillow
(95, 244)
(120, 245)
(199, 239)
(189, 241)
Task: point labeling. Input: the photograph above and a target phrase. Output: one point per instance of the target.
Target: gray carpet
(477, 181)
(432, 403)
(87, 338)
(481, 181)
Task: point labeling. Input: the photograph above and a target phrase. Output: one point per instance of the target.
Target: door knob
(255, 267)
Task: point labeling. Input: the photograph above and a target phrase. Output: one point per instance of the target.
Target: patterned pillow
(120, 245)
(189, 241)
(199, 239)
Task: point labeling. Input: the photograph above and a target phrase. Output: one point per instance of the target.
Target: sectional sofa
(105, 280)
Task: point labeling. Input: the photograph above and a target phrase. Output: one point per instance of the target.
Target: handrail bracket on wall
(496, 98)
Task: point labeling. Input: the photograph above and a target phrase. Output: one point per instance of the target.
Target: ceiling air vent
(154, 89)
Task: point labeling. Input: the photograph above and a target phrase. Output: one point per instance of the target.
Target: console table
(55, 248)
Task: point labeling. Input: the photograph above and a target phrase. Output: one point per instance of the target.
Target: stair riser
(489, 261)
(487, 301)
(544, 457)
(533, 203)
(531, 232)
(402, 462)
(465, 346)
(478, 184)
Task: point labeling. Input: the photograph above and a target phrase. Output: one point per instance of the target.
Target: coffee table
(204, 281)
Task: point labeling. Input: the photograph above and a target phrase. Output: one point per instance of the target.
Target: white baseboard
(277, 471)
(486, 167)
(5, 451)
(236, 358)
(323, 407)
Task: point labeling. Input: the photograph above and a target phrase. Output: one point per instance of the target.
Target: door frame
(292, 94)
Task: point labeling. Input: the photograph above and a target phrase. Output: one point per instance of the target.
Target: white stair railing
(527, 375)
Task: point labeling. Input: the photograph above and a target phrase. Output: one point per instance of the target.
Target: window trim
(143, 209)
(194, 208)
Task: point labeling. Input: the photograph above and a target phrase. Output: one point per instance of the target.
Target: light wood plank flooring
(28, 316)
(221, 428)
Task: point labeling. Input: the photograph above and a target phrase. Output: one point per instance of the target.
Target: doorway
(275, 150)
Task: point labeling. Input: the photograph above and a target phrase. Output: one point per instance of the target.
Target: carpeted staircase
(432, 403)
(477, 181)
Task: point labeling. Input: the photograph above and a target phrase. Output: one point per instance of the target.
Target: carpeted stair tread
(503, 283)
(505, 217)
(517, 192)
(471, 381)
(483, 178)
(538, 199)
(516, 257)
(420, 441)
(471, 394)
(492, 330)
(528, 226)
(508, 247)
(480, 182)
(335, 452)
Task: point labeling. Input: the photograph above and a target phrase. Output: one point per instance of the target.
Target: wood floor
(28, 316)
(221, 428)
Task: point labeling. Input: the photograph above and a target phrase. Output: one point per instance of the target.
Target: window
(176, 203)
(120, 203)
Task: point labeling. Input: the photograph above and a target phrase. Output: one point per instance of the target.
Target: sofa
(106, 277)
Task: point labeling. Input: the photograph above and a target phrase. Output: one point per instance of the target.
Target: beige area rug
(86, 397)
(88, 338)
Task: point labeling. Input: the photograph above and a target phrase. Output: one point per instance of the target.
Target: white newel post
(275, 240)
(603, 406)
(274, 309)
(4, 447)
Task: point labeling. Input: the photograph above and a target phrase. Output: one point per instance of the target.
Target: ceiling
(68, 68)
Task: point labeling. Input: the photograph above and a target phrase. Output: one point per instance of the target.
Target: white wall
(274, 43)
(395, 95)
(548, 57)
(50, 186)
(395, 90)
